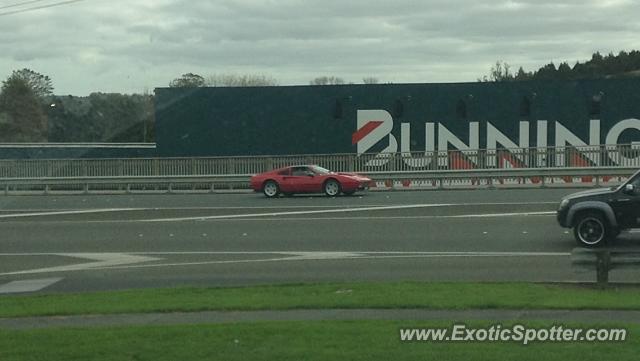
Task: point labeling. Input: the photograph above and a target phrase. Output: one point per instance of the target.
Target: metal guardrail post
(603, 264)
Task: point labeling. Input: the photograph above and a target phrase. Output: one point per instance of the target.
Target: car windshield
(634, 179)
(320, 170)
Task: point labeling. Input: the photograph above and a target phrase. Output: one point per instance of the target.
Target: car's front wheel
(592, 230)
(271, 189)
(332, 188)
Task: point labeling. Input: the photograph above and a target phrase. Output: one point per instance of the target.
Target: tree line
(191, 80)
(623, 65)
(30, 112)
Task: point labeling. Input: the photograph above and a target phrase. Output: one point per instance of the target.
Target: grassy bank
(334, 295)
(321, 340)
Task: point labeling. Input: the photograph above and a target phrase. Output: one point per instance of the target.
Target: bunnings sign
(376, 126)
(406, 119)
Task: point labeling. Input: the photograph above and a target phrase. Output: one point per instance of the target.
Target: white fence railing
(531, 158)
(533, 166)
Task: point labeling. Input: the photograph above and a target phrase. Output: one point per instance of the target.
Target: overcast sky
(137, 45)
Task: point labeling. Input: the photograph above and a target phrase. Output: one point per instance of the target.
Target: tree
(233, 80)
(102, 117)
(22, 118)
(189, 80)
(501, 71)
(564, 71)
(547, 72)
(370, 80)
(523, 75)
(327, 80)
(40, 84)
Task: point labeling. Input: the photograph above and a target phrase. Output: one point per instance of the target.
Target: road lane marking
(27, 285)
(341, 210)
(317, 256)
(58, 213)
(275, 214)
(319, 209)
(133, 260)
(99, 260)
(347, 218)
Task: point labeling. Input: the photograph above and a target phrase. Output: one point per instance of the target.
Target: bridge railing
(626, 155)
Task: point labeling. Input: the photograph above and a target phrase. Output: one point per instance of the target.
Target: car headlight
(564, 203)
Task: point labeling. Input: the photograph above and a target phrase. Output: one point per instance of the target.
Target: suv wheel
(591, 230)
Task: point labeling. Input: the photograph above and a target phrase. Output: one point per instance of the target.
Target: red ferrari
(308, 179)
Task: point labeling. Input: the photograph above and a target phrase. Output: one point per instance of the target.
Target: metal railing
(210, 183)
(532, 158)
(482, 167)
(604, 260)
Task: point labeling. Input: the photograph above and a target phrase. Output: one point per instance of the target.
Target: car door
(298, 181)
(316, 181)
(283, 177)
(626, 206)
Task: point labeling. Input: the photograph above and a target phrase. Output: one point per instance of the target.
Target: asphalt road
(83, 243)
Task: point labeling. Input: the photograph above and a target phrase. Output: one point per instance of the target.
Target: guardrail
(479, 167)
(210, 183)
(47, 185)
(553, 157)
(604, 260)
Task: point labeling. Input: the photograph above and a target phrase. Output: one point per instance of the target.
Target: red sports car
(307, 179)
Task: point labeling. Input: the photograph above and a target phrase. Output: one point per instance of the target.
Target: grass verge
(327, 295)
(320, 340)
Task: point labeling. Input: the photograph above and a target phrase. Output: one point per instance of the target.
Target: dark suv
(599, 215)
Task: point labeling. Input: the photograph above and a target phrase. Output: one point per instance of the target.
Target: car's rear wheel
(332, 188)
(591, 230)
(271, 189)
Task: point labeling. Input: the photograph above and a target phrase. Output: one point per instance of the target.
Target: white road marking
(100, 260)
(58, 213)
(511, 214)
(27, 285)
(322, 209)
(315, 256)
(274, 214)
(131, 260)
(351, 218)
(341, 210)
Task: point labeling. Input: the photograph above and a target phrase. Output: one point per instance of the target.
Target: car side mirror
(629, 189)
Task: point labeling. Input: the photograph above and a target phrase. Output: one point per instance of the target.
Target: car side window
(300, 171)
